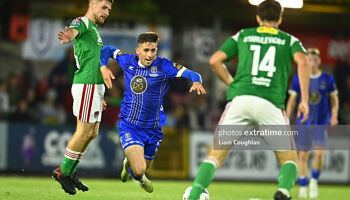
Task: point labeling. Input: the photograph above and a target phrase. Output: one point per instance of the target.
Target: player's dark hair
(111, 1)
(269, 10)
(148, 37)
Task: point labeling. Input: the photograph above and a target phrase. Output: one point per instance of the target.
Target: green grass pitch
(37, 188)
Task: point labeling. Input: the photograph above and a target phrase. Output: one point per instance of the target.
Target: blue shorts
(309, 136)
(148, 138)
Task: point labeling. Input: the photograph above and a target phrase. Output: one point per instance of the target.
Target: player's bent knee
(86, 135)
(303, 158)
(319, 156)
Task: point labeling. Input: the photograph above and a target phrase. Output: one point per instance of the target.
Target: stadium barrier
(3, 146)
(261, 165)
(39, 149)
(27, 149)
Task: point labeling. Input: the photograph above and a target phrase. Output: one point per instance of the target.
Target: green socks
(67, 165)
(287, 175)
(286, 178)
(204, 177)
(74, 168)
(70, 162)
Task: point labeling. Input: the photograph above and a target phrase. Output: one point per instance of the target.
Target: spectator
(33, 108)
(21, 113)
(198, 114)
(4, 101)
(180, 116)
(52, 113)
(61, 77)
(342, 75)
(13, 91)
(64, 68)
(28, 77)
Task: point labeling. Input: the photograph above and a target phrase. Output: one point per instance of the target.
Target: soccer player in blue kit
(323, 110)
(142, 116)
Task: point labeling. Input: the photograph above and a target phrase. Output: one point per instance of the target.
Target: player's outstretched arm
(67, 35)
(216, 62)
(304, 81)
(196, 79)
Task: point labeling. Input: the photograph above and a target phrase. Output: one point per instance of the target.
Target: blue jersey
(321, 86)
(144, 86)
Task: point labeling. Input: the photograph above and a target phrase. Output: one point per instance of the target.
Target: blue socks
(303, 181)
(315, 174)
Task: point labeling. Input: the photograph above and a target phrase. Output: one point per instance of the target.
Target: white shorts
(87, 102)
(248, 110)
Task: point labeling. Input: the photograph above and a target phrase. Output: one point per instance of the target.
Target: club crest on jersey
(138, 84)
(315, 97)
(96, 114)
(154, 69)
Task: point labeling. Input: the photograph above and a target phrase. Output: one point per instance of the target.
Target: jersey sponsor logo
(153, 75)
(177, 66)
(138, 84)
(315, 97)
(261, 81)
(265, 29)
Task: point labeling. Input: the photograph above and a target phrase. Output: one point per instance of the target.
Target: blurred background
(36, 75)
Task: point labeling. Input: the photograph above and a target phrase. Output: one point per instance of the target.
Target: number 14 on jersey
(267, 64)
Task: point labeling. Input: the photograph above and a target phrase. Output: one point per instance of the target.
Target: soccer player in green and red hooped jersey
(257, 93)
(87, 89)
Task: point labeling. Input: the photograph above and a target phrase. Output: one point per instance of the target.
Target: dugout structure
(172, 158)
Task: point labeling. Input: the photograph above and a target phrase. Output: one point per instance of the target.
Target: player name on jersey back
(264, 40)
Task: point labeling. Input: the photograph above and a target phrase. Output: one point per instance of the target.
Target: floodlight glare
(284, 3)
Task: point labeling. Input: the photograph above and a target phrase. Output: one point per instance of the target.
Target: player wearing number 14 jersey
(257, 93)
